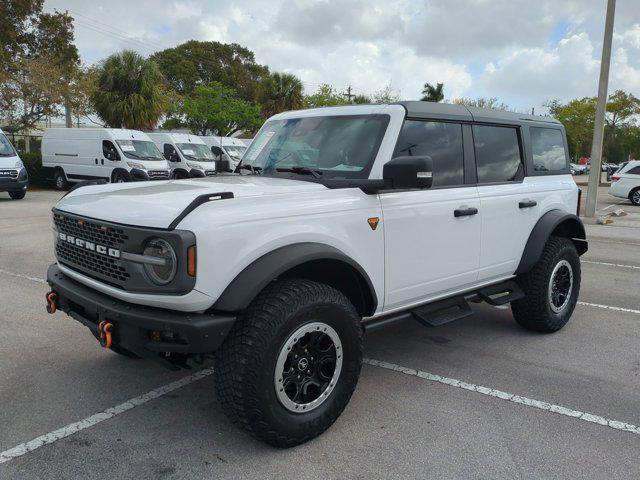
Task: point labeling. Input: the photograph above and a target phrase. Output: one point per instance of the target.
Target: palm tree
(278, 92)
(433, 94)
(130, 91)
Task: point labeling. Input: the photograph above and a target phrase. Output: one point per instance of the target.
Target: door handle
(527, 204)
(96, 161)
(464, 212)
(102, 160)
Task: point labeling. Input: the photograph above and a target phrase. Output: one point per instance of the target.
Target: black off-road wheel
(551, 288)
(17, 195)
(291, 362)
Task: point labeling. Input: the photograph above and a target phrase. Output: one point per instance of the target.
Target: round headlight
(165, 269)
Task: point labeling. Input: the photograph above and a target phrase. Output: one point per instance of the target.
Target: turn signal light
(191, 261)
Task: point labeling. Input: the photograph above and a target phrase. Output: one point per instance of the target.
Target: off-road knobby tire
(17, 195)
(534, 312)
(245, 364)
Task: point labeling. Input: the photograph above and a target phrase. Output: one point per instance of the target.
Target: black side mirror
(403, 173)
(222, 166)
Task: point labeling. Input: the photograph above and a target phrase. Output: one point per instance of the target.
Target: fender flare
(554, 221)
(257, 275)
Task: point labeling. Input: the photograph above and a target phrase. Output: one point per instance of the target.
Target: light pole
(598, 131)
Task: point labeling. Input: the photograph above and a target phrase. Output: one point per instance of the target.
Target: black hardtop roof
(448, 111)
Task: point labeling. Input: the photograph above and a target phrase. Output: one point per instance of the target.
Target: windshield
(336, 147)
(196, 151)
(140, 149)
(6, 150)
(235, 151)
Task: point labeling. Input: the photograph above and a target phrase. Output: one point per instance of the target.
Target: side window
(547, 145)
(634, 170)
(170, 153)
(109, 151)
(439, 140)
(498, 155)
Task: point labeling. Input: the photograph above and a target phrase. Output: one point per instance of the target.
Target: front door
(432, 236)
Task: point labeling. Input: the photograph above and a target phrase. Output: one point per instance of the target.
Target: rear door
(508, 210)
(428, 249)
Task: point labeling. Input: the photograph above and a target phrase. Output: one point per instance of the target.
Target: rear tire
(317, 385)
(551, 288)
(60, 180)
(634, 196)
(19, 195)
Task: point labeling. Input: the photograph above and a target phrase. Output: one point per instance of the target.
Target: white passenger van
(13, 175)
(226, 148)
(113, 154)
(188, 155)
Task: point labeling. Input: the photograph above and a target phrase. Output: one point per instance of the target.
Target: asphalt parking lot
(477, 398)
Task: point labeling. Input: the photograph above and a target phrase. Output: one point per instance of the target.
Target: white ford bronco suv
(337, 221)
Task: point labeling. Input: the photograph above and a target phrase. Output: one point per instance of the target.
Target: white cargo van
(188, 155)
(13, 175)
(226, 148)
(113, 154)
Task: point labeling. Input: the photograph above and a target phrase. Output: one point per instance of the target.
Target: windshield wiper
(302, 171)
(248, 166)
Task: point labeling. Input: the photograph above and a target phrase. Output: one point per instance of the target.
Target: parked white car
(115, 155)
(188, 155)
(625, 183)
(13, 175)
(227, 148)
(340, 220)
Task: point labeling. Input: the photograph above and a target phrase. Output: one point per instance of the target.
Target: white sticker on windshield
(188, 152)
(128, 148)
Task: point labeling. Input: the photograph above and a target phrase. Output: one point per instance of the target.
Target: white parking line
(610, 264)
(27, 277)
(509, 397)
(51, 437)
(609, 307)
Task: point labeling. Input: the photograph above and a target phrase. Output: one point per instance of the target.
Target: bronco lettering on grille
(87, 245)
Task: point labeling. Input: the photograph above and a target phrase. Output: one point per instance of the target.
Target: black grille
(8, 174)
(210, 173)
(92, 231)
(158, 174)
(90, 262)
(94, 262)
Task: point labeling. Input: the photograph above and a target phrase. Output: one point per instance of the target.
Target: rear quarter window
(634, 170)
(548, 151)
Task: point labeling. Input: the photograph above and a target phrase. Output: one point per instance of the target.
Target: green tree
(37, 56)
(578, 118)
(196, 63)
(433, 94)
(362, 100)
(129, 92)
(215, 109)
(325, 96)
(483, 102)
(279, 92)
(385, 95)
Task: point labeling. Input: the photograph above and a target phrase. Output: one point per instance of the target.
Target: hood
(157, 204)
(9, 162)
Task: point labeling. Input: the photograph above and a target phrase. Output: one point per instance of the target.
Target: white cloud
(523, 52)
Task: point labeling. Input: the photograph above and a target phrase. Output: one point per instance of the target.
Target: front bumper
(14, 184)
(145, 331)
(138, 175)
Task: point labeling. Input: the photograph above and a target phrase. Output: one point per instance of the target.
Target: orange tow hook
(52, 306)
(105, 329)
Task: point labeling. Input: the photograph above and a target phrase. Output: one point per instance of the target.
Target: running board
(444, 311)
(450, 309)
(501, 294)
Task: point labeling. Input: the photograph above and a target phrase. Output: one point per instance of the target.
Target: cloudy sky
(524, 52)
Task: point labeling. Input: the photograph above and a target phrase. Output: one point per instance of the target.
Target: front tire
(18, 195)
(634, 196)
(120, 177)
(291, 362)
(551, 288)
